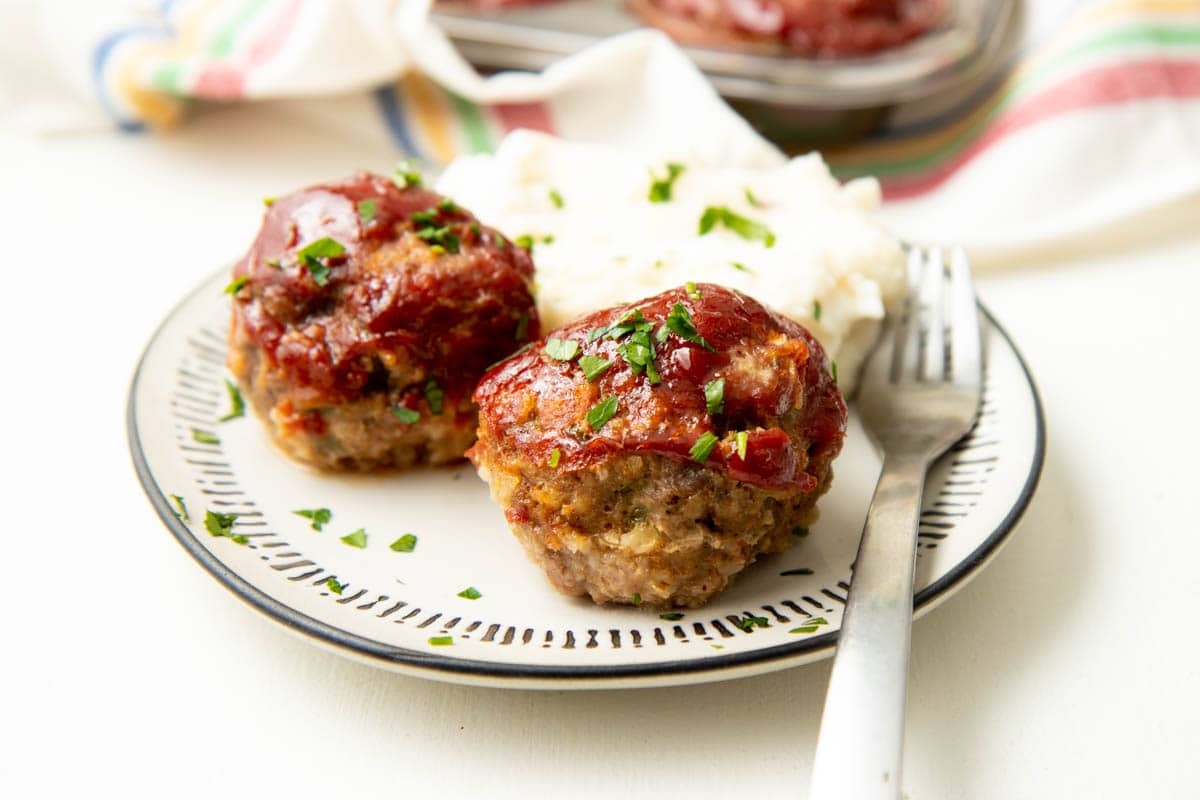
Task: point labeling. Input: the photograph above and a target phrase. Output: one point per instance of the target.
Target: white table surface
(1069, 668)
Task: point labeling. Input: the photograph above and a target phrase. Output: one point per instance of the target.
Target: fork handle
(862, 727)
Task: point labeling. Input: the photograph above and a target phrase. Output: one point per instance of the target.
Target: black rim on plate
(391, 654)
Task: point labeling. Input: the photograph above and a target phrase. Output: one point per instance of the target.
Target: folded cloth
(1099, 118)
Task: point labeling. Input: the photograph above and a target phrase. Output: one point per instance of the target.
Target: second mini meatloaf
(363, 316)
(649, 453)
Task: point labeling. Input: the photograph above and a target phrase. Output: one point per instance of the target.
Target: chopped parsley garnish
(833, 370)
(817, 310)
(660, 188)
(555, 455)
(629, 322)
(357, 539)
(406, 415)
(429, 216)
(407, 175)
(703, 446)
(740, 267)
(204, 437)
(501, 242)
(522, 327)
(366, 211)
(236, 284)
(441, 641)
(181, 509)
(692, 291)
(638, 352)
(219, 524)
(470, 593)
(448, 205)
(810, 625)
(800, 532)
(637, 598)
(273, 262)
(602, 412)
(405, 544)
(269, 201)
(800, 571)
(317, 517)
(556, 198)
(237, 406)
(334, 585)
(745, 228)
(714, 396)
(524, 240)
(671, 616)
(311, 254)
(561, 349)
(742, 439)
(593, 366)
(750, 198)
(434, 396)
(475, 229)
(679, 322)
(750, 622)
(437, 236)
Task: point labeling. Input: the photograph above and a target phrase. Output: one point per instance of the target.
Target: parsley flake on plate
(810, 625)
(671, 616)
(602, 412)
(357, 539)
(219, 524)
(740, 267)
(561, 349)
(661, 188)
(470, 593)
(317, 517)
(800, 571)
(334, 585)
(204, 437)
(180, 508)
(703, 447)
(405, 544)
(750, 622)
(817, 310)
(441, 641)
(750, 198)
(237, 406)
(746, 228)
(556, 198)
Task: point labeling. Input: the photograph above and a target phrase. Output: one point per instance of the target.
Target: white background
(1067, 669)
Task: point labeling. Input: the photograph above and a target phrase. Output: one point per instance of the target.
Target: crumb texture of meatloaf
(822, 28)
(650, 452)
(365, 312)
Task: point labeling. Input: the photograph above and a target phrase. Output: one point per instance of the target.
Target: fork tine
(966, 353)
(906, 344)
(933, 353)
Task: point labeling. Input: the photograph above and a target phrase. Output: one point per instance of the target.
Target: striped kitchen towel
(1097, 118)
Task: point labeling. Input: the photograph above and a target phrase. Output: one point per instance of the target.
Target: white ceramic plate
(402, 610)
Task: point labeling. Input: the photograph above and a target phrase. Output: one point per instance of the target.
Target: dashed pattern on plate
(196, 406)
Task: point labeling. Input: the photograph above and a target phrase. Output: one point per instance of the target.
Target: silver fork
(919, 395)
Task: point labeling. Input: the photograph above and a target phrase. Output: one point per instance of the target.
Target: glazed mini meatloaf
(820, 28)
(365, 312)
(649, 453)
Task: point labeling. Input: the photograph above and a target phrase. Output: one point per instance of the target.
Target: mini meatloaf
(363, 316)
(820, 28)
(650, 452)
